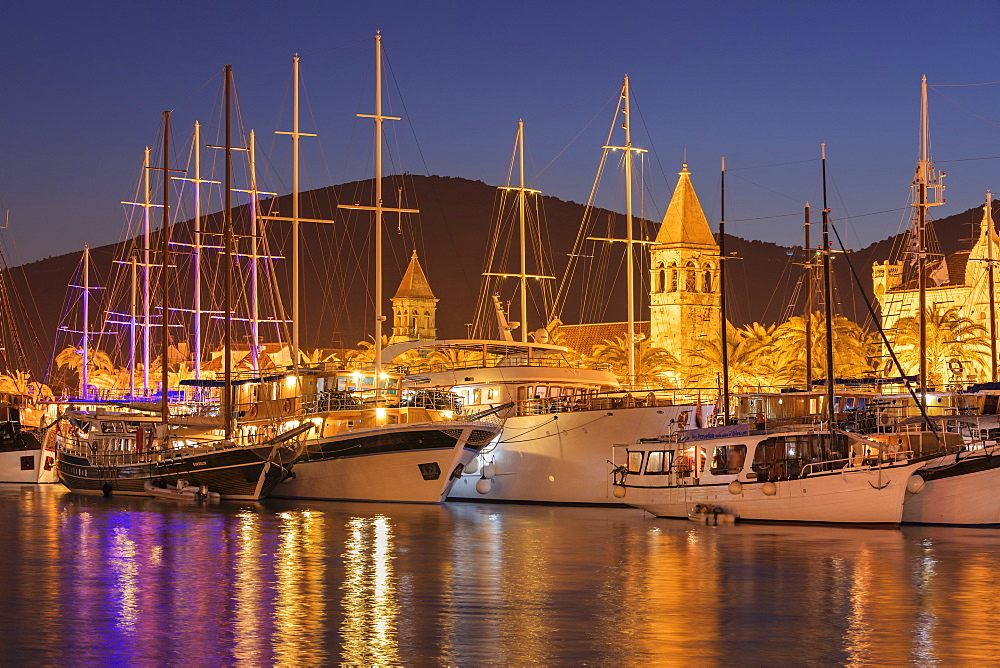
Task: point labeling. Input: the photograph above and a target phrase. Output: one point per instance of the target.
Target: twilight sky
(762, 83)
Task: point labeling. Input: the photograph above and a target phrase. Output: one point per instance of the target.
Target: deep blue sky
(763, 83)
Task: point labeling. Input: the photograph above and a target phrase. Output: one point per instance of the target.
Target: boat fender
(769, 489)
(484, 485)
(472, 466)
(619, 491)
(736, 487)
(490, 471)
(915, 484)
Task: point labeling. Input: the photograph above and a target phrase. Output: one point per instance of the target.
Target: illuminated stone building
(414, 307)
(684, 281)
(961, 282)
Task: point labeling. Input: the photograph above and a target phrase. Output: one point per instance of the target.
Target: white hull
(563, 457)
(399, 476)
(862, 496)
(957, 494)
(28, 466)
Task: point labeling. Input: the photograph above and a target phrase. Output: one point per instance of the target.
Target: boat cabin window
(728, 459)
(658, 462)
(477, 396)
(785, 457)
(635, 462)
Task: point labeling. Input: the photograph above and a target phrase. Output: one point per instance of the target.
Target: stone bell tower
(684, 281)
(414, 307)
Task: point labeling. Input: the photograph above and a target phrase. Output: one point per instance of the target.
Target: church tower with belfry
(414, 307)
(684, 278)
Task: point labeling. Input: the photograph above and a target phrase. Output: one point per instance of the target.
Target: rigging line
(366, 40)
(573, 140)
(602, 91)
(777, 164)
(769, 189)
(799, 213)
(544, 424)
(986, 83)
(963, 108)
(993, 157)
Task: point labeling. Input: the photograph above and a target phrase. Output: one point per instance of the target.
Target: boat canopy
(487, 346)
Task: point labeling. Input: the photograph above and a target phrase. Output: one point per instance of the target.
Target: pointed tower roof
(414, 284)
(685, 222)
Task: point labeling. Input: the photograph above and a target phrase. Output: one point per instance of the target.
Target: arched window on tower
(706, 286)
(691, 282)
(660, 278)
(672, 285)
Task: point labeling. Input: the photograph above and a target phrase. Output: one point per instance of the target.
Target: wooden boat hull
(235, 473)
(408, 463)
(961, 491)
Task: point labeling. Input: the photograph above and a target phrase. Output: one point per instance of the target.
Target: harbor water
(134, 581)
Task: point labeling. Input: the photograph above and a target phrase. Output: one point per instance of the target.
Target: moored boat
(803, 473)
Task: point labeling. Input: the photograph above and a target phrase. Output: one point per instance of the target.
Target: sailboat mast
(146, 241)
(809, 301)
(921, 240)
(992, 288)
(227, 218)
(164, 279)
(723, 314)
(630, 249)
(254, 254)
(827, 297)
(133, 314)
(378, 213)
(295, 214)
(521, 217)
(85, 369)
(197, 250)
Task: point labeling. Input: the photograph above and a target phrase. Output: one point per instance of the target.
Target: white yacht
(793, 473)
(558, 435)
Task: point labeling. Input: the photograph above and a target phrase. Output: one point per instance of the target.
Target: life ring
(252, 411)
(287, 406)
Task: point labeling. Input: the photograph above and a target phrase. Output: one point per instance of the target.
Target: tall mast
(379, 208)
(723, 315)
(630, 249)
(146, 242)
(522, 195)
(164, 278)
(827, 297)
(133, 314)
(921, 240)
(989, 275)
(227, 218)
(809, 301)
(254, 269)
(85, 369)
(295, 214)
(524, 253)
(197, 250)
(378, 213)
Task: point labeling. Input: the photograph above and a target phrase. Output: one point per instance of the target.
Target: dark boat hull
(235, 473)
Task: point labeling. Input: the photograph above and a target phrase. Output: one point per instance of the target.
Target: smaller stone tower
(414, 307)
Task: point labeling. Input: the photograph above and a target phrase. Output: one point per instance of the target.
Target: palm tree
(753, 361)
(949, 335)
(652, 364)
(853, 346)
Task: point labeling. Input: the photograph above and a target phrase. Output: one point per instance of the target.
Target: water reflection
(369, 596)
(149, 582)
